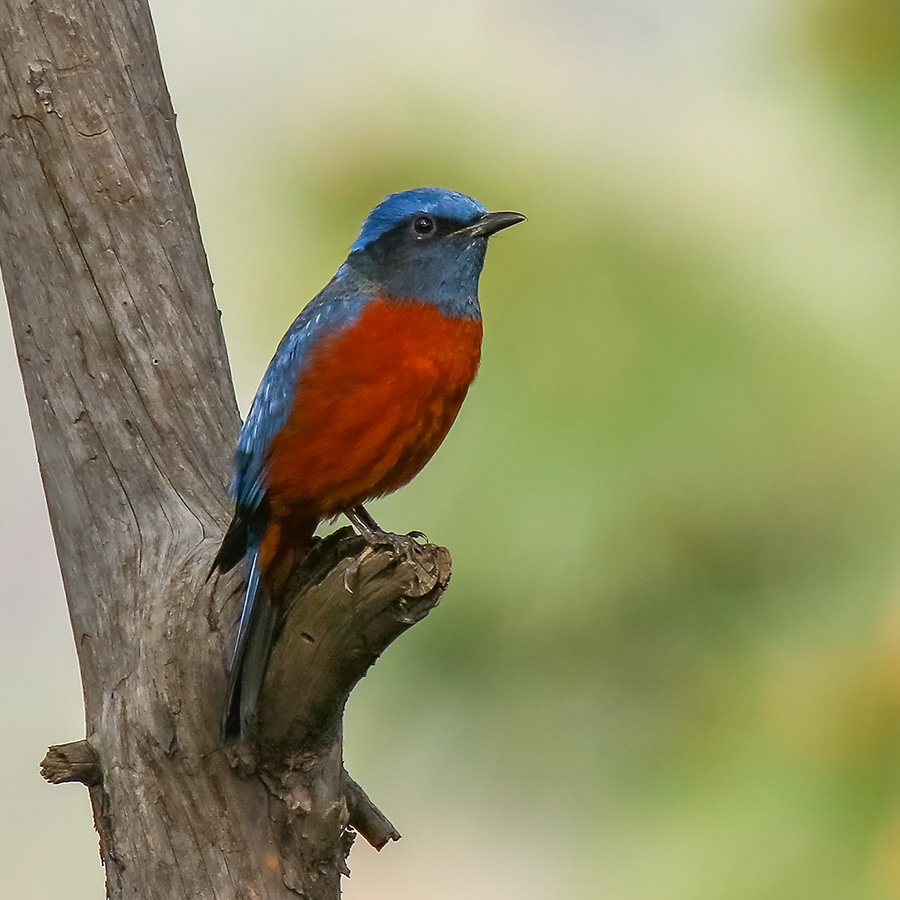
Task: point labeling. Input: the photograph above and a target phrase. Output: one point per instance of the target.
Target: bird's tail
(252, 648)
(270, 565)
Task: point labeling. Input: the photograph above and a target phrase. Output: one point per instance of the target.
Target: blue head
(428, 244)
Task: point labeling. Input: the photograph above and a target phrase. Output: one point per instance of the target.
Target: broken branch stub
(347, 604)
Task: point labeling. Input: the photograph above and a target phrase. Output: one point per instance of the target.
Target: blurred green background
(669, 663)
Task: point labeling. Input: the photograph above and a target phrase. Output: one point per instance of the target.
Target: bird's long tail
(252, 648)
(270, 564)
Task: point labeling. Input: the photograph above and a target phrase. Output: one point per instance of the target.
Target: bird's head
(428, 244)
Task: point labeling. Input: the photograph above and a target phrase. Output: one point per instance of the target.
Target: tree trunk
(134, 418)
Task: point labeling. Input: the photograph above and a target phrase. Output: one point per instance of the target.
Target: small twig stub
(76, 761)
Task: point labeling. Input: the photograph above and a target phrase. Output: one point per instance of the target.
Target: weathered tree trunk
(134, 418)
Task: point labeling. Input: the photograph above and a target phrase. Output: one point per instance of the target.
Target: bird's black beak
(490, 223)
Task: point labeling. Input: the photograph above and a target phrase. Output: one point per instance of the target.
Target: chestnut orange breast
(372, 405)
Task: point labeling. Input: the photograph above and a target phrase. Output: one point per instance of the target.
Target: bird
(360, 393)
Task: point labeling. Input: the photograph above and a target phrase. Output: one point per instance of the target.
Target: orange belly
(373, 403)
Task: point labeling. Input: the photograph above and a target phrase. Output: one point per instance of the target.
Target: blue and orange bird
(359, 395)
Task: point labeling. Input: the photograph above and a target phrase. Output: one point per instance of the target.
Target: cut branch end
(76, 761)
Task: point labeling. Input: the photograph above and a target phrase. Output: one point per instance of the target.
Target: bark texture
(134, 418)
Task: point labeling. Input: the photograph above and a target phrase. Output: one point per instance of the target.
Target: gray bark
(134, 418)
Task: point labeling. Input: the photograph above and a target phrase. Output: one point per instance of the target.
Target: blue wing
(337, 306)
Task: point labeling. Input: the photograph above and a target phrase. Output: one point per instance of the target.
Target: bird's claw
(400, 544)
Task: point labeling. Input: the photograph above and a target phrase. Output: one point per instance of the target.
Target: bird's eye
(423, 226)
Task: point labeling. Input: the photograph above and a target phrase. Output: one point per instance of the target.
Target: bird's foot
(376, 536)
(402, 545)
